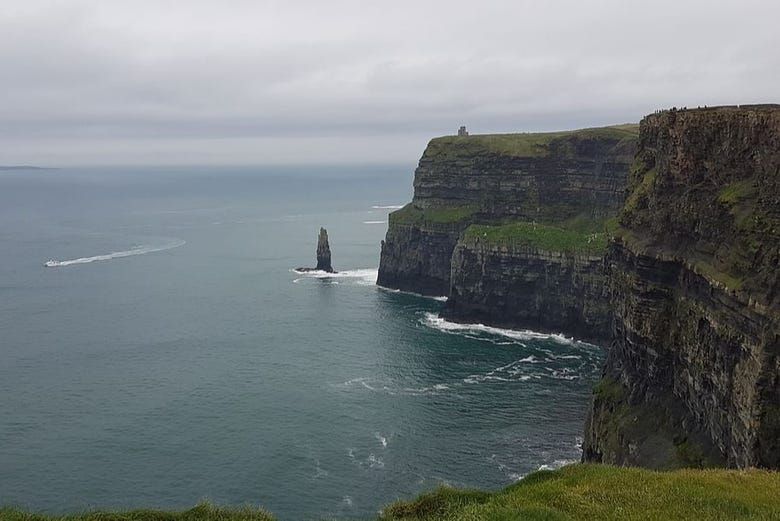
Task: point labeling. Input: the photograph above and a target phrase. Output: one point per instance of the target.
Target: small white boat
(51, 263)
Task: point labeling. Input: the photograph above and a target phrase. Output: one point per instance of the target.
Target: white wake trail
(140, 250)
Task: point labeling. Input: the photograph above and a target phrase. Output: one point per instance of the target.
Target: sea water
(170, 353)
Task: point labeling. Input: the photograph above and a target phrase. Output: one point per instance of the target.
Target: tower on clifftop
(462, 131)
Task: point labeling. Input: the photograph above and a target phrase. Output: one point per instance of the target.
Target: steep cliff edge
(693, 375)
(528, 275)
(498, 179)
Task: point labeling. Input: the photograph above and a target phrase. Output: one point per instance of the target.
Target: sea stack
(323, 255)
(323, 252)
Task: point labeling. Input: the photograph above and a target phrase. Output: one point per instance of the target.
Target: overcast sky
(253, 82)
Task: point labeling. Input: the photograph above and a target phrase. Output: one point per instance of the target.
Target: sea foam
(139, 250)
(364, 276)
(436, 322)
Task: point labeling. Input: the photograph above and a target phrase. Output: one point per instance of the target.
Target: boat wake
(139, 250)
(439, 298)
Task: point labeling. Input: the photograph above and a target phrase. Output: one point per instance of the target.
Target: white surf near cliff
(435, 321)
(363, 276)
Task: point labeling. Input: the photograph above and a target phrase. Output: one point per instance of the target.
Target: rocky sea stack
(323, 254)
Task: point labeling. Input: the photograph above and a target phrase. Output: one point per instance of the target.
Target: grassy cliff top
(522, 144)
(597, 492)
(576, 492)
(411, 214)
(575, 236)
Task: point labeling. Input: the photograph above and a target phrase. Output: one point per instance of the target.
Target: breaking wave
(363, 276)
(139, 250)
(436, 322)
(388, 207)
(374, 222)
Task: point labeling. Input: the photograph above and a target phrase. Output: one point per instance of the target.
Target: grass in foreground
(202, 512)
(540, 236)
(597, 492)
(576, 492)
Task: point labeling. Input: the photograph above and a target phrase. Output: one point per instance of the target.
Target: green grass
(722, 276)
(597, 492)
(737, 191)
(202, 512)
(520, 145)
(540, 236)
(640, 192)
(608, 389)
(411, 214)
(575, 492)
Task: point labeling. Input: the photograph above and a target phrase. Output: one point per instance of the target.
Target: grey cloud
(244, 81)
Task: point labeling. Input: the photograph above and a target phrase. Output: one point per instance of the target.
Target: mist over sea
(170, 353)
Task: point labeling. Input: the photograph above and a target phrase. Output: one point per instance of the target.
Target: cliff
(693, 374)
(561, 178)
(528, 276)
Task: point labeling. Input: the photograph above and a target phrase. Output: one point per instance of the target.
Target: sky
(144, 82)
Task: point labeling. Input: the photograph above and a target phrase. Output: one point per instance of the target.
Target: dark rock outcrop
(323, 254)
(416, 256)
(693, 374)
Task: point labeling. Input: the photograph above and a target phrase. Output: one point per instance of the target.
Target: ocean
(171, 353)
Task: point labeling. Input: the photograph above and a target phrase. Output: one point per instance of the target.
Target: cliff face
(693, 375)
(546, 177)
(494, 179)
(522, 287)
(416, 256)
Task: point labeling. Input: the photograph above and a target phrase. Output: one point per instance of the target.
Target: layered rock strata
(523, 287)
(693, 374)
(494, 179)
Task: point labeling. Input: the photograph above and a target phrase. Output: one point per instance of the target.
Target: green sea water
(172, 354)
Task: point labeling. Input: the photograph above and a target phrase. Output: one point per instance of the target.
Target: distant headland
(24, 167)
